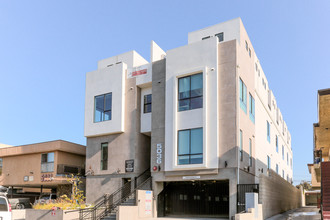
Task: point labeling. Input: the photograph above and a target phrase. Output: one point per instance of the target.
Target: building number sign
(159, 151)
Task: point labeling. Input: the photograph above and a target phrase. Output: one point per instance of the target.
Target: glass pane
(183, 143)
(197, 85)
(99, 103)
(196, 159)
(196, 102)
(107, 115)
(108, 102)
(50, 157)
(220, 37)
(149, 97)
(183, 160)
(43, 158)
(148, 108)
(184, 104)
(240, 90)
(196, 141)
(184, 88)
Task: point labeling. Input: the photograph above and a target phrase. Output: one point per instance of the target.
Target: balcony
(47, 167)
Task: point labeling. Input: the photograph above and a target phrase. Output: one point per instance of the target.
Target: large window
(190, 146)
(147, 103)
(47, 162)
(104, 156)
(252, 109)
(191, 92)
(0, 166)
(268, 132)
(242, 95)
(102, 107)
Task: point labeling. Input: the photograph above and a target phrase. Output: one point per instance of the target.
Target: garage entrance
(194, 199)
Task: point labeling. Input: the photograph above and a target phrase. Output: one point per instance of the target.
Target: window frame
(104, 108)
(49, 168)
(242, 95)
(190, 154)
(269, 165)
(241, 144)
(250, 152)
(104, 160)
(268, 131)
(190, 98)
(146, 103)
(252, 108)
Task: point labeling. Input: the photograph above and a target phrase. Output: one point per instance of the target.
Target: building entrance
(194, 199)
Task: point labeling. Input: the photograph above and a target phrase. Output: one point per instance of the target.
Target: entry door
(127, 189)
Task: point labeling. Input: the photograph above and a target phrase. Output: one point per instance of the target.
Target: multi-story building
(38, 168)
(201, 116)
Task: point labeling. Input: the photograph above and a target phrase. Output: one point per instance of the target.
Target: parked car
(20, 203)
(5, 208)
(47, 199)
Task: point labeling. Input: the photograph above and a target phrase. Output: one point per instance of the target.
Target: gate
(241, 190)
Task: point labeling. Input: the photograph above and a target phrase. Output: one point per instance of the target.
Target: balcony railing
(47, 167)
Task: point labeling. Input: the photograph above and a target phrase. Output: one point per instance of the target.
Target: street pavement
(303, 213)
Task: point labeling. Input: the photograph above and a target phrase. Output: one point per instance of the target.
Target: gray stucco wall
(277, 195)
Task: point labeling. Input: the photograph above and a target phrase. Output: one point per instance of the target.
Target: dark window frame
(146, 103)
(104, 108)
(189, 147)
(190, 98)
(104, 157)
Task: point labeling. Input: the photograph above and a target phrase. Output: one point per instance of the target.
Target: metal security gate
(241, 190)
(195, 199)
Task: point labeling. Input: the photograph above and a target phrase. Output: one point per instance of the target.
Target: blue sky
(46, 47)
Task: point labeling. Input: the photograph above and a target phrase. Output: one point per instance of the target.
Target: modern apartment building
(201, 117)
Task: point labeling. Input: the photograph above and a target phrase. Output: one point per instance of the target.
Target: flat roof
(49, 146)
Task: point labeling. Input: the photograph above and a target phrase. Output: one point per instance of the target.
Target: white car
(5, 208)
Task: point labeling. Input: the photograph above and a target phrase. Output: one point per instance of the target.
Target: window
(246, 46)
(283, 174)
(219, 36)
(252, 109)
(249, 52)
(282, 152)
(291, 163)
(268, 162)
(287, 177)
(47, 162)
(241, 144)
(103, 106)
(277, 168)
(256, 67)
(104, 156)
(204, 38)
(242, 95)
(276, 141)
(147, 103)
(268, 132)
(0, 166)
(190, 146)
(191, 92)
(250, 152)
(287, 159)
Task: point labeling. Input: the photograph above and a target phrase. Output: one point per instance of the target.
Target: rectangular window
(250, 152)
(246, 46)
(276, 142)
(219, 36)
(0, 166)
(47, 162)
(268, 132)
(104, 156)
(102, 107)
(241, 144)
(268, 162)
(147, 103)
(283, 174)
(249, 52)
(277, 168)
(282, 152)
(242, 95)
(191, 92)
(287, 159)
(252, 109)
(204, 38)
(190, 146)
(291, 163)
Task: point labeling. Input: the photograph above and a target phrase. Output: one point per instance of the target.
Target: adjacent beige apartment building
(41, 167)
(201, 117)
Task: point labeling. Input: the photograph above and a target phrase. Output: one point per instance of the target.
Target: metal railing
(241, 190)
(110, 202)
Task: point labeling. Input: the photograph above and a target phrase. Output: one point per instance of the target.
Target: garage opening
(194, 199)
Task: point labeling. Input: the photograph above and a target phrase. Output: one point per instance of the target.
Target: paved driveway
(304, 213)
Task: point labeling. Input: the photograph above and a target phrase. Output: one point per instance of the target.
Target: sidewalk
(303, 213)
